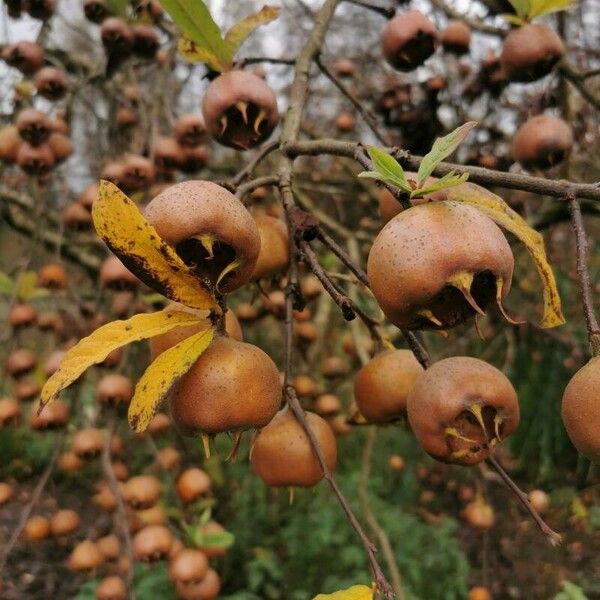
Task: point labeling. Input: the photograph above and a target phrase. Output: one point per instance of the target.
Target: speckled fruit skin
(408, 40)
(420, 249)
(282, 456)
(542, 142)
(274, 247)
(530, 52)
(193, 208)
(581, 410)
(231, 387)
(224, 93)
(446, 389)
(382, 385)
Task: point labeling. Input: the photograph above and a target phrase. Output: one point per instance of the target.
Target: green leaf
(238, 33)
(202, 35)
(27, 287)
(570, 591)
(117, 7)
(220, 539)
(442, 148)
(7, 285)
(388, 168)
(447, 181)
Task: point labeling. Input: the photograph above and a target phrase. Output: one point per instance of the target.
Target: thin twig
(517, 181)
(35, 496)
(553, 537)
(251, 166)
(581, 245)
(385, 11)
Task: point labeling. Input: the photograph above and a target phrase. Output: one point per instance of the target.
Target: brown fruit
(210, 229)
(539, 500)
(20, 362)
(305, 386)
(88, 442)
(145, 40)
(311, 287)
(159, 425)
(192, 484)
(160, 343)
(396, 462)
(87, 197)
(25, 56)
(436, 265)
(10, 411)
(409, 40)
(479, 514)
(50, 320)
(306, 332)
(155, 515)
(61, 147)
(138, 173)
(114, 172)
(109, 546)
(345, 122)
(111, 588)
(190, 131)
(326, 405)
(115, 275)
(70, 462)
(246, 312)
(152, 543)
(530, 52)
(75, 216)
(339, 425)
(479, 593)
(51, 83)
(194, 159)
(579, 410)
(126, 117)
(35, 160)
(542, 142)
(54, 416)
(64, 522)
(333, 367)
(282, 455)
(21, 315)
(231, 387)
(383, 384)
(240, 110)
(168, 154)
(36, 528)
(274, 253)
(53, 276)
(27, 389)
(85, 557)
(456, 37)
(188, 566)
(33, 126)
(141, 492)
(95, 10)
(10, 141)
(114, 389)
(345, 67)
(169, 458)
(6, 492)
(104, 498)
(206, 589)
(460, 408)
(117, 37)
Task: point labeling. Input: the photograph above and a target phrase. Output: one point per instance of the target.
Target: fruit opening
(243, 125)
(209, 258)
(453, 306)
(416, 51)
(474, 433)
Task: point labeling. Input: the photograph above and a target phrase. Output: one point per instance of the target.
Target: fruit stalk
(581, 245)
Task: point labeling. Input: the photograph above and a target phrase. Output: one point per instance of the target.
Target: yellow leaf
(162, 374)
(94, 348)
(194, 53)
(27, 287)
(495, 208)
(125, 231)
(356, 592)
(539, 8)
(242, 29)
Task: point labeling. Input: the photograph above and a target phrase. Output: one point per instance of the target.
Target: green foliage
(388, 170)
(570, 591)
